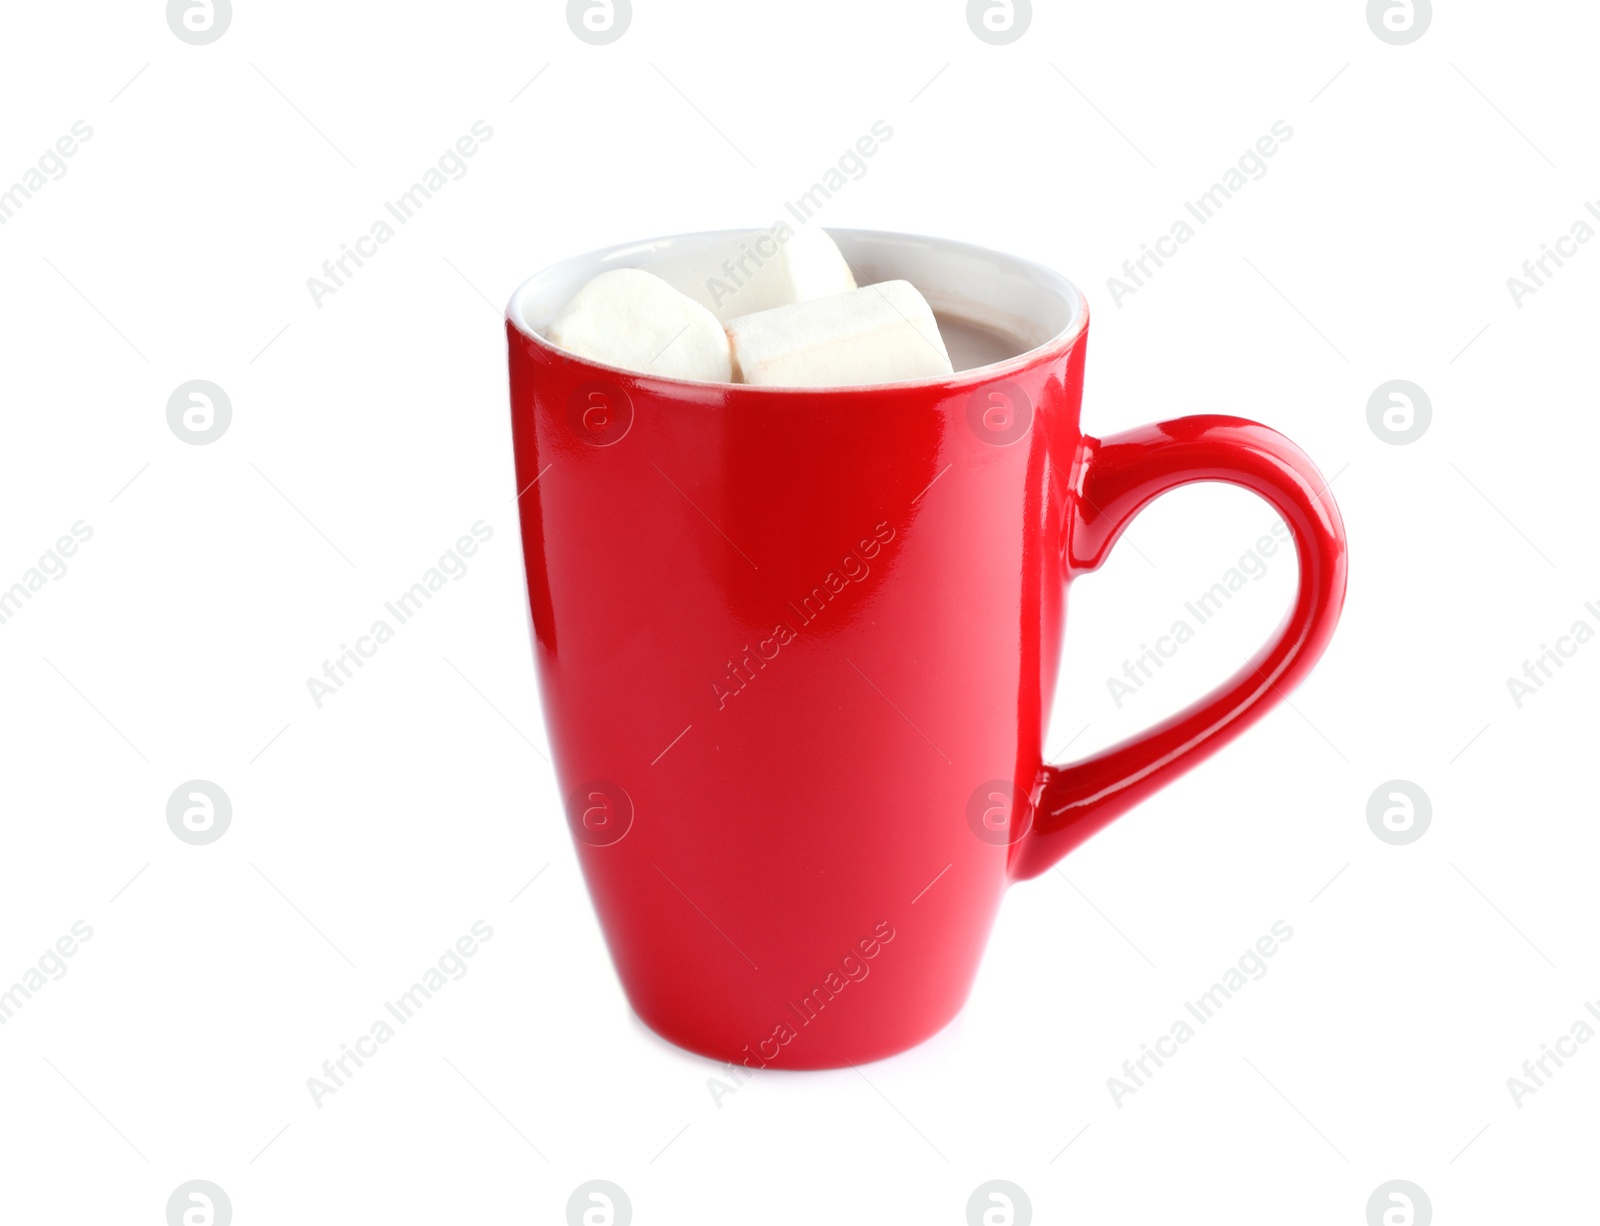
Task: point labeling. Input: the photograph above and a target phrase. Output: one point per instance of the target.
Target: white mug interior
(996, 310)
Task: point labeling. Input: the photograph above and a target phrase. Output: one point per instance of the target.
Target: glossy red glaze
(796, 651)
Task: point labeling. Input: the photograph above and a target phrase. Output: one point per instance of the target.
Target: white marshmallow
(882, 333)
(756, 271)
(634, 320)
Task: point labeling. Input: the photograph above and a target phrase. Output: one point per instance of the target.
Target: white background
(372, 431)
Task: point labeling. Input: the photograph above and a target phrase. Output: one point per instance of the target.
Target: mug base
(798, 1055)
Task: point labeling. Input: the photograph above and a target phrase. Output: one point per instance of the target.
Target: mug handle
(1115, 479)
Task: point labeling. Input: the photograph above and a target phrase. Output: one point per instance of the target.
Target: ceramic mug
(797, 648)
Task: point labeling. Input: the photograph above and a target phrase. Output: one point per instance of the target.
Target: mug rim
(617, 256)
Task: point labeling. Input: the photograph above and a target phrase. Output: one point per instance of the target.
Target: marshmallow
(877, 334)
(634, 320)
(757, 271)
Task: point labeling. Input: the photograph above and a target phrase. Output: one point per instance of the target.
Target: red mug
(797, 647)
